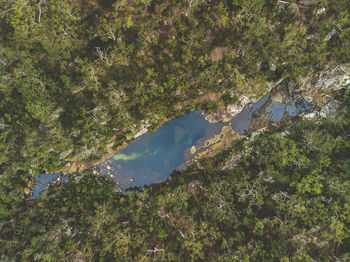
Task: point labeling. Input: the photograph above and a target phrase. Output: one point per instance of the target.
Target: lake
(152, 157)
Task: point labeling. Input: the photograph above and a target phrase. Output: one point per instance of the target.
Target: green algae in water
(126, 157)
(179, 134)
(152, 157)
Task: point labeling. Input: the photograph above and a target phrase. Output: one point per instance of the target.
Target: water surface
(152, 157)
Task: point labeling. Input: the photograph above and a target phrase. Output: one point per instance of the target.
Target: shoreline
(80, 166)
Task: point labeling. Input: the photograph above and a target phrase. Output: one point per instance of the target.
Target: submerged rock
(179, 134)
(213, 145)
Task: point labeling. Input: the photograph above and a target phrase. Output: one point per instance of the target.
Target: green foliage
(287, 200)
(78, 75)
(75, 74)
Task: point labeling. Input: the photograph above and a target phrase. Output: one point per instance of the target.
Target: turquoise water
(152, 157)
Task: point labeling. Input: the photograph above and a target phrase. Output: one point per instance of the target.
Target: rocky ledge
(314, 96)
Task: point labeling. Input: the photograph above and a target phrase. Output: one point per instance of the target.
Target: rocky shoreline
(317, 93)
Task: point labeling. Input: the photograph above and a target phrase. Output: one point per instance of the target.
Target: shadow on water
(152, 157)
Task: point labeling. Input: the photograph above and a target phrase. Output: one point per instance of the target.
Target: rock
(327, 98)
(306, 2)
(44, 128)
(143, 129)
(277, 98)
(217, 143)
(334, 78)
(345, 68)
(27, 191)
(217, 53)
(216, 117)
(72, 168)
(346, 81)
(273, 67)
(141, 132)
(108, 167)
(321, 11)
(232, 162)
(30, 182)
(310, 116)
(118, 189)
(330, 35)
(58, 181)
(75, 133)
(259, 122)
(329, 108)
(280, 93)
(84, 153)
(226, 114)
(236, 108)
(254, 135)
(193, 150)
(55, 114)
(66, 153)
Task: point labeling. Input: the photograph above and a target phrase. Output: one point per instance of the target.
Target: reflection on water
(152, 157)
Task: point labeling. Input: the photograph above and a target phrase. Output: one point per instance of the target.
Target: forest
(288, 199)
(79, 76)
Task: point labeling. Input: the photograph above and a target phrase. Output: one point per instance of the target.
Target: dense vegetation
(76, 75)
(288, 199)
